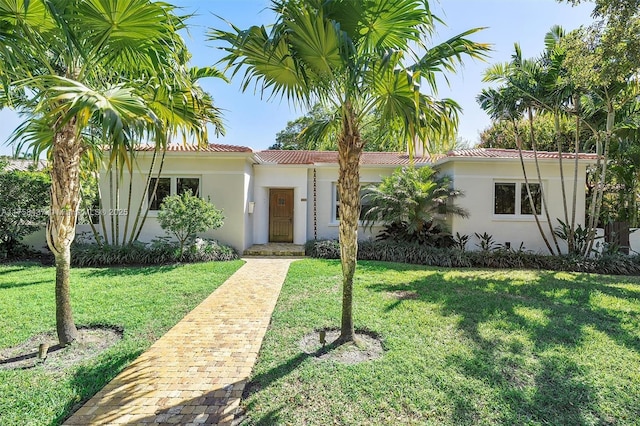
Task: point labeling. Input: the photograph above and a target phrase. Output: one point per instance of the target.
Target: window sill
(335, 224)
(517, 218)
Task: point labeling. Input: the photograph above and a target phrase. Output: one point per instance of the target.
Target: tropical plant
(579, 235)
(523, 88)
(414, 204)
(605, 72)
(486, 242)
(354, 58)
(460, 241)
(185, 215)
(89, 74)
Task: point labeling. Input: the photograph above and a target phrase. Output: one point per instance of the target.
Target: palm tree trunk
(61, 228)
(126, 223)
(526, 183)
(111, 204)
(545, 207)
(153, 194)
(576, 149)
(600, 189)
(114, 213)
(349, 151)
(103, 219)
(556, 125)
(88, 211)
(145, 191)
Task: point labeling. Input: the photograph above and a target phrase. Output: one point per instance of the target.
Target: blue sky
(254, 122)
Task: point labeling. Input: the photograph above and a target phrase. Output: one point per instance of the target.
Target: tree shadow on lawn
(7, 286)
(555, 392)
(88, 380)
(119, 271)
(11, 268)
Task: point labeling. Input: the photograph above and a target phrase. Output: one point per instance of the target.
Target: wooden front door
(281, 215)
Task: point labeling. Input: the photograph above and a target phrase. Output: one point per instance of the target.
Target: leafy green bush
(24, 202)
(454, 257)
(185, 215)
(158, 252)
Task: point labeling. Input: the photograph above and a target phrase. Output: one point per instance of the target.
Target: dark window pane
(337, 212)
(188, 184)
(505, 198)
(536, 194)
(163, 190)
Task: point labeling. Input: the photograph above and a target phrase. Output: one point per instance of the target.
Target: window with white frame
(171, 186)
(364, 201)
(512, 198)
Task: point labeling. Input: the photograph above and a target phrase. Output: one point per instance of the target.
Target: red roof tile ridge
(513, 153)
(195, 148)
(273, 156)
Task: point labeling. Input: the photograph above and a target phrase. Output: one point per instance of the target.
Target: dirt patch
(91, 342)
(368, 347)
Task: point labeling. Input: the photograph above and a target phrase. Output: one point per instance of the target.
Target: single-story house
(291, 196)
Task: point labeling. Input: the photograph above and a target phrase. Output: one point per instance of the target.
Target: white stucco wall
(476, 177)
(326, 180)
(233, 182)
(224, 179)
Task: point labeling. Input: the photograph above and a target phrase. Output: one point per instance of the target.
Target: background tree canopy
(316, 130)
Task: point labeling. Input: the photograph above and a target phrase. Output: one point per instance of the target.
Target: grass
(461, 347)
(144, 301)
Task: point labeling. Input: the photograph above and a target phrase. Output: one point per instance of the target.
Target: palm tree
(413, 201)
(354, 58)
(505, 104)
(86, 73)
(523, 78)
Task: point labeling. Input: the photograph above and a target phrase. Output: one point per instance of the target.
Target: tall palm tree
(355, 58)
(87, 73)
(505, 104)
(524, 77)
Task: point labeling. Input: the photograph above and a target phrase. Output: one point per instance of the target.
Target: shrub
(24, 202)
(158, 252)
(413, 204)
(185, 215)
(455, 257)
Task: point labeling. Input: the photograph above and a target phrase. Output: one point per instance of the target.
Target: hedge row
(157, 253)
(388, 251)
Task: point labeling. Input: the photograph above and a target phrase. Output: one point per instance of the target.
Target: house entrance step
(275, 249)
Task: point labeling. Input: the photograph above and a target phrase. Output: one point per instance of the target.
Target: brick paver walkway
(195, 374)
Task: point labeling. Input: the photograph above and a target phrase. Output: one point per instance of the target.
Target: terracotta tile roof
(301, 157)
(331, 157)
(25, 165)
(512, 153)
(195, 148)
(285, 157)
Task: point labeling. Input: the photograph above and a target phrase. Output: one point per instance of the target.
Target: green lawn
(145, 301)
(462, 347)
